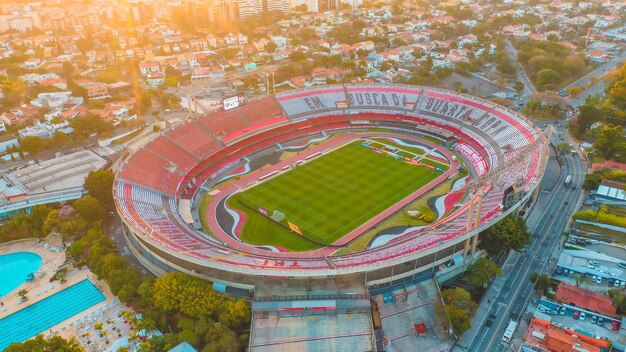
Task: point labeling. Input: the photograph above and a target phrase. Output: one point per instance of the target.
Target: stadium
(383, 182)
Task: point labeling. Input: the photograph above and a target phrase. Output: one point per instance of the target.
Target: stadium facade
(158, 188)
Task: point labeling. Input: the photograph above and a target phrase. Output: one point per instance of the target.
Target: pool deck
(41, 288)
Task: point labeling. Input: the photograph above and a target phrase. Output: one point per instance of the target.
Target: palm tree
(98, 328)
(22, 293)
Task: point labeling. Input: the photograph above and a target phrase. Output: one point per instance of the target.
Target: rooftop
(543, 334)
(596, 302)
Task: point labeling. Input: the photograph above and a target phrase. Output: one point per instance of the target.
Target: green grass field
(328, 197)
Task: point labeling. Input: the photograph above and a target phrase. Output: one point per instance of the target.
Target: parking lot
(588, 324)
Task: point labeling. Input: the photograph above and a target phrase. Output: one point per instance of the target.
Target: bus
(568, 180)
(508, 333)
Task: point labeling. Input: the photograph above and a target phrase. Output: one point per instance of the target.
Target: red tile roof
(596, 302)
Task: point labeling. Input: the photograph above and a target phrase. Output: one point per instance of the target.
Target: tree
(87, 124)
(563, 148)
(271, 47)
(68, 68)
(99, 184)
(482, 271)
(610, 142)
(508, 233)
(22, 293)
(42, 344)
(587, 115)
(581, 280)
(89, 208)
(32, 144)
(618, 298)
(548, 78)
(542, 282)
(459, 307)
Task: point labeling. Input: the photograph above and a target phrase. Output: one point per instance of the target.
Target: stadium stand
(194, 139)
(179, 162)
(173, 153)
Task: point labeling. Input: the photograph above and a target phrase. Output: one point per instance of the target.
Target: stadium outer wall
(159, 259)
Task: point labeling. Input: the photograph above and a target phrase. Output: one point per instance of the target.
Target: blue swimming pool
(14, 268)
(46, 313)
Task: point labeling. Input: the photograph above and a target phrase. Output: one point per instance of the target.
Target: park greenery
(458, 307)
(602, 118)
(185, 308)
(603, 214)
(550, 64)
(510, 233)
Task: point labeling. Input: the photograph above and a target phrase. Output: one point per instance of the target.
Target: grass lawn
(328, 196)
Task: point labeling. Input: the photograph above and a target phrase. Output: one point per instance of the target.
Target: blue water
(43, 315)
(14, 268)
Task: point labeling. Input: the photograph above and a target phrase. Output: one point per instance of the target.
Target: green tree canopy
(99, 184)
(610, 142)
(548, 78)
(542, 282)
(32, 144)
(459, 307)
(41, 344)
(89, 208)
(87, 124)
(508, 233)
(482, 271)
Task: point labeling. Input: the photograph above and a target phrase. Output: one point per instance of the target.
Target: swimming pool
(15, 267)
(46, 313)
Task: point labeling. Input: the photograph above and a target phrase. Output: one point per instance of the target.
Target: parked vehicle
(563, 310)
(614, 325)
(576, 315)
(582, 316)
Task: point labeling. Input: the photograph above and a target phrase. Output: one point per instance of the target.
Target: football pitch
(327, 197)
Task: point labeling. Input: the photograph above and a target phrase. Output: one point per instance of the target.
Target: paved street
(509, 295)
(529, 89)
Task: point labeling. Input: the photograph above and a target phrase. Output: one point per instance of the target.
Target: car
(563, 310)
(593, 319)
(616, 283)
(576, 315)
(622, 284)
(600, 320)
(582, 316)
(598, 280)
(614, 325)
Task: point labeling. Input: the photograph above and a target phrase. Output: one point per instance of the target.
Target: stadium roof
(585, 299)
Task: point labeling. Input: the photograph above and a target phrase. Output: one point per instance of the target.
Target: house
(96, 90)
(597, 55)
(32, 63)
(542, 335)
(7, 142)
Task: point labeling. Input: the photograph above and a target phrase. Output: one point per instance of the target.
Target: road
(598, 87)
(529, 89)
(601, 70)
(509, 295)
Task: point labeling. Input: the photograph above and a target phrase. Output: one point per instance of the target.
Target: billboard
(232, 102)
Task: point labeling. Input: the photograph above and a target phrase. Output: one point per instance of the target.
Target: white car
(582, 316)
